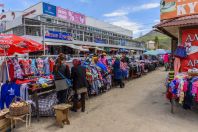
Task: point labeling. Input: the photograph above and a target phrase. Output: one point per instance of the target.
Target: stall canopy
(76, 47)
(100, 49)
(161, 51)
(151, 52)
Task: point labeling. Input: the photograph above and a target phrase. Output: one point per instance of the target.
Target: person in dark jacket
(118, 73)
(61, 72)
(78, 75)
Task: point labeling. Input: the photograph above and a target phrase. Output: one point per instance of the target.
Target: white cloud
(116, 13)
(120, 18)
(130, 9)
(156, 21)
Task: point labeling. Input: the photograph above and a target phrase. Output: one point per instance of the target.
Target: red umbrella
(11, 44)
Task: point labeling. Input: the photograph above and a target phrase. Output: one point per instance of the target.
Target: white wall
(38, 8)
(106, 26)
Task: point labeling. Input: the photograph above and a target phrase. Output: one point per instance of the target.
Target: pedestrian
(103, 59)
(80, 85)
(166, 61)
(117, 72)
(61, 72)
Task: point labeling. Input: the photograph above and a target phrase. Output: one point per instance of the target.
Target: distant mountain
(164, 41)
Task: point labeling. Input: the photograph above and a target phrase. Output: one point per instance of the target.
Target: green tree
(156, 42)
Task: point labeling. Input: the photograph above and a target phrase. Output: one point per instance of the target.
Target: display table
(35, 93)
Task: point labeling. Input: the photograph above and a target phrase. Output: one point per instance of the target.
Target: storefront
(179, 20)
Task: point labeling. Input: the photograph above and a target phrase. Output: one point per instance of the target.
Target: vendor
(61, 72)
(78, 75)
(125, 59)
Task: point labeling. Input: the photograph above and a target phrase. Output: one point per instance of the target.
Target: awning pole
(6, 65)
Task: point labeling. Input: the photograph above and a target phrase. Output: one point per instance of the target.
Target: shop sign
(177, 8)
(49, 9)
(59, 35)
(190, 41)
(98, 40)
(71, 16)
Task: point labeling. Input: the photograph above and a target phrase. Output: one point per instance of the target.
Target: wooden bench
(62, 111)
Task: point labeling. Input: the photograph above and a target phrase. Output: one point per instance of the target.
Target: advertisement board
(190, 41)
(49, 9)
(176, 8)
(71, 16)
(59, 35)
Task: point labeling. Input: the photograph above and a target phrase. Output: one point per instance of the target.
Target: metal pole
(6, 65)
(44, 39)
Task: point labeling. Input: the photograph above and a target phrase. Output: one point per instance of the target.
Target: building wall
(106, 26)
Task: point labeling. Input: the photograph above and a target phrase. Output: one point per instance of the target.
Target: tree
(156, 42)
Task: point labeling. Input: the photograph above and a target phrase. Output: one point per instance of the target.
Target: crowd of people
(77, 74)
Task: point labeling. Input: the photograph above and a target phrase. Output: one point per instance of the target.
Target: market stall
(182, 28)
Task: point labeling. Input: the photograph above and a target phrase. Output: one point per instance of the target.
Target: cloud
(130, 9)
(121, 18)
(116, 13)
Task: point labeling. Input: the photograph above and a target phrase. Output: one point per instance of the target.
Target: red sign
(190, 40)
(71, 16)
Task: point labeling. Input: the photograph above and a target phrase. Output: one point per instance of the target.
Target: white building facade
(58, 27)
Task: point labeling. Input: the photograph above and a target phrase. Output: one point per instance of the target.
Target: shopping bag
(180, 52)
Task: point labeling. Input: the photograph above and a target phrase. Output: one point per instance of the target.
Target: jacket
(8, 92)
(78, 75)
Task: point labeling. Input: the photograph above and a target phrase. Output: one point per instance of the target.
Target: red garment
(166, 59)
(26, 66)
(51, 63)
(25, 81)
(11, 69)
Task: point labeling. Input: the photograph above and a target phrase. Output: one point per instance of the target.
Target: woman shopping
(61, 72)
(78, 75)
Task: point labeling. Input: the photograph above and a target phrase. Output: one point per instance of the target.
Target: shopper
(125, 59)
(78, 75)
(117, 71)
(61, 72)
(166, 61)
(103, 59)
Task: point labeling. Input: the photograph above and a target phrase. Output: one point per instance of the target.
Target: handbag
(63, 84)
(180, 52)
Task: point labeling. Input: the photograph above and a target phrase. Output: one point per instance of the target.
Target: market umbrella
(161, 51)
(151, 52)
(11, 44)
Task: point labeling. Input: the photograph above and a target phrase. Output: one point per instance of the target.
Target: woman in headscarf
(117, 71)
(61, 72)
(78, 75)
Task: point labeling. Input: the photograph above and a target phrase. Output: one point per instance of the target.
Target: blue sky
(136, 15)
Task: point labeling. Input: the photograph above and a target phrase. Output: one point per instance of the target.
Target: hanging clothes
(8, 92)
(40, 66)
(18, 73)
(25, 65)
(34, 70)
(46, 66)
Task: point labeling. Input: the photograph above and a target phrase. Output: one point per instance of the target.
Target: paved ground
(140, 107)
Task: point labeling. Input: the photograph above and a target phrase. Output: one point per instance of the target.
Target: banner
(59, 35)
(71, 16)
(190, 41)
(49, 9)
(177, 8)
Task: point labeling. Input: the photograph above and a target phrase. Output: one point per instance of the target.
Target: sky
(136, 15)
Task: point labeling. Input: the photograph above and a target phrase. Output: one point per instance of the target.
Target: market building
(180, 22)
(62, 30)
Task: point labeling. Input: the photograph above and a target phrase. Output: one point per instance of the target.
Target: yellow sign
(177, 8)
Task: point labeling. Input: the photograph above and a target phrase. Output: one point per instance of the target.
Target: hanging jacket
(8, 92)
